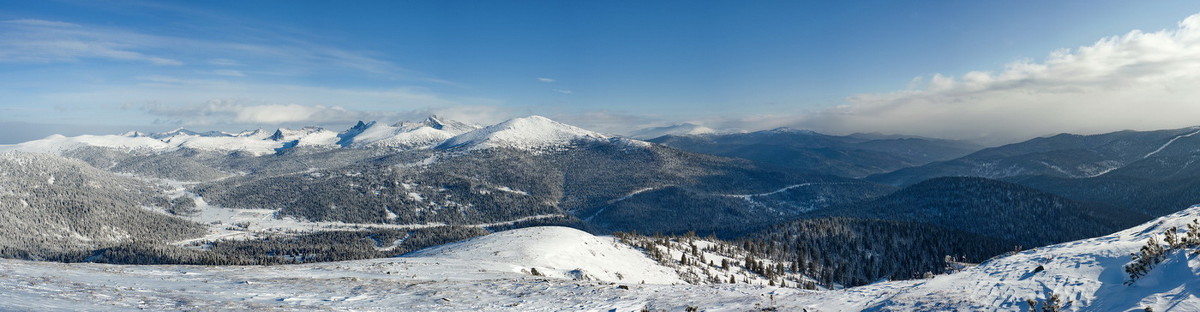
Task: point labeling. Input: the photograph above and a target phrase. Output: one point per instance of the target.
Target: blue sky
(615, 66)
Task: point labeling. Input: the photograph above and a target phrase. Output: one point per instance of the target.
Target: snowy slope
(529, 133)
(139, 142)
(430, 132)
(1089, 272)
(483, 275)
(307, 136)
(557, 252)
(56, 144)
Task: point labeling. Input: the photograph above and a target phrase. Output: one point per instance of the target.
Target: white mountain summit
(528, 133)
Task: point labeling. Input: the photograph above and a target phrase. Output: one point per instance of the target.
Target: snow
(225, 144)
(56, 144)
(428, 133)
(424, 134)
(485, 274)
(510, 190)
(307, 136)
(529, 133)
(559, 252)
(1088, 272)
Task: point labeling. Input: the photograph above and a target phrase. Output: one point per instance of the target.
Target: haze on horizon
(993, 72)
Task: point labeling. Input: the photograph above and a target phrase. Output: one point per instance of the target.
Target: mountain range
(807, 202)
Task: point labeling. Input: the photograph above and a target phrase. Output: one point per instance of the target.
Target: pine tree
(1172, 238)
(1145, 259)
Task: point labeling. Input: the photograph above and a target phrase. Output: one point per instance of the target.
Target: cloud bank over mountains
(1139, 80)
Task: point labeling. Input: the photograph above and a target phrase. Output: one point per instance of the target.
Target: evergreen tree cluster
(50, 205)
(1003, 210)
(1052, 303)
(284, 248)
(1154, 252)
(709, 260)
(850, 252)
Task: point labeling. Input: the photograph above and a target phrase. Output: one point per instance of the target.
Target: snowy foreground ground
(488, 274)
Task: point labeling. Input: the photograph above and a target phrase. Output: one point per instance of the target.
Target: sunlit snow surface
(485, 274)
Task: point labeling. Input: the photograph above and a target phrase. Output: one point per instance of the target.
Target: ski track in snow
(627, 196)
(785, 189)
(1160, 148)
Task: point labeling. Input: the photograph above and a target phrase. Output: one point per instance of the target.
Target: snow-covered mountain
(427, 133)
(676, 129)
(527, 133)
(307, 136)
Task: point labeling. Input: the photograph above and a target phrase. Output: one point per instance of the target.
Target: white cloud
(1140, 80)
(563, 91)
(547, 80)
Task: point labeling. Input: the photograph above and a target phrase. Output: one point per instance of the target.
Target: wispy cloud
(546, 80)
(229, 72)
(41, 41)
(224, 62)
(218, 112)
(564, 91)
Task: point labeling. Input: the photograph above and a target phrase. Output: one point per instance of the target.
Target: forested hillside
(50, 205)
(996, 209)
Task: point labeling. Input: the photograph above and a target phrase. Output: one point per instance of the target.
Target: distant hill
(1152, 172)
(998, 209)
(798, 150)
(1063, 155)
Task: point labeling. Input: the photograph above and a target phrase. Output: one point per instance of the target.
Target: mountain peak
(531, 132)
(434, 122)
(686, 128)
(278, 136)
